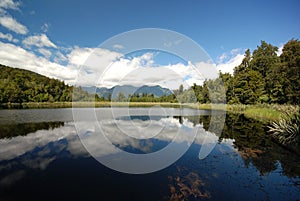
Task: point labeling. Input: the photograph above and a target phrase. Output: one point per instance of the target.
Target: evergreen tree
(290, 68)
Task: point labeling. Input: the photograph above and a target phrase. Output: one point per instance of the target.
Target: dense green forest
(20, 86)
(262, 77)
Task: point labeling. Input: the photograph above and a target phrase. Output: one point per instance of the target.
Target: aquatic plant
(286, 130)
(187, 186)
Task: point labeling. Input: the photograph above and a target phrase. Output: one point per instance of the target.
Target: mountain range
(157, 90)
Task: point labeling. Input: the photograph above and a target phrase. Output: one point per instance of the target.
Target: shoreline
(261, 112)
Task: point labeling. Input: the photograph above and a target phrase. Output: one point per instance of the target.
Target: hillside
(20, 86)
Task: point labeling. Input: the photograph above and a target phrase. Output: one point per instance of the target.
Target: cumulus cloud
(78, 58)
(101, 67)
(91, 62)
(229, 66)
(14, 56)
(45, 52)
(92, 58)
(8, 37)
(59, 57)
(207, 70)
(9, 4)
(10, 23)
(7, 20)
(41, 40)
(228, 61)
(140, 71)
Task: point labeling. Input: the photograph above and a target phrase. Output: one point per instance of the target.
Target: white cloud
(92, 58)
(207, 70)
(59, 57)
(140, 71)
(279, 52)
(228, 66)
(229, 60)
(8, 37)
(11, 24)
(45, 52)
(78, 56)
(102, 67)
(9, 4)
(14, 56)
(92, 62)
(39, 41)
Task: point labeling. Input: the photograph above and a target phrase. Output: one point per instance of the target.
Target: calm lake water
(42, 158)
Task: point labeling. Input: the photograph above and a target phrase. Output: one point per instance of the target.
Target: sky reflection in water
(237, 167)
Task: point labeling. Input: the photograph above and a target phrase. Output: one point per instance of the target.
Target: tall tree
(290, 68)
(229, 87)
(264, 58)
(245, 63)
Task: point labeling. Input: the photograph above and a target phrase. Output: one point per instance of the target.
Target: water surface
(42, 158)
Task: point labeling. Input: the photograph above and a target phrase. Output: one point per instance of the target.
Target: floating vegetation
(287, 129)
(250, 153)
(188, 187)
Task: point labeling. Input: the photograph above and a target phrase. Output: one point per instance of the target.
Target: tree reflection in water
(255, 146)
(22, 129)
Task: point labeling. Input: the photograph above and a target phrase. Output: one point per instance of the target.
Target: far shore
(261, 112)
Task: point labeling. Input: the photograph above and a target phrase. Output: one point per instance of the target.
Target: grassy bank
(32, 105)
(260, 112)
(266, 112)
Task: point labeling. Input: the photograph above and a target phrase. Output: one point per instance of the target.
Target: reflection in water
(40, 155)
(45, 145)
(16, 129)
(256, 147)
(137, 140)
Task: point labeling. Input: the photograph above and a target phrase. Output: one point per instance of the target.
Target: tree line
(20, 86)
(262, 77)
(144, 97)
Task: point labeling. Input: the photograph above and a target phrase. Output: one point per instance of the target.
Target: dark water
(42, 158)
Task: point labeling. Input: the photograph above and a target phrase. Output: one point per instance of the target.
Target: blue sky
(217, 26)
(223, 28)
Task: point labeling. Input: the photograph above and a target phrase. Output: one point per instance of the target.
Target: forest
(262, 77)
(21, 86)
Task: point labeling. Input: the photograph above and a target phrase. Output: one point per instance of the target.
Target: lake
(45, 155)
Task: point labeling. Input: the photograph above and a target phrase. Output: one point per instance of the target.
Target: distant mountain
(157, 90)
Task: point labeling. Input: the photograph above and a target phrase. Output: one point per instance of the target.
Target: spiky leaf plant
(287, 129)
